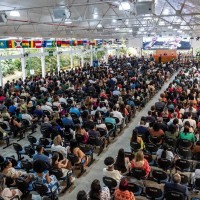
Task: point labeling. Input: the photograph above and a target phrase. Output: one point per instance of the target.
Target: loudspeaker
(144, 7)
(3, 18)
(61, 13)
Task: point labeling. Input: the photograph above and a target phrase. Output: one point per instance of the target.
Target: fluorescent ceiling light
(68, 22)
(14, 13)
(126, 22)
(99, 26)
(161, 23)
(95, 16)
(169, 27)
(179, 31)
(117, 29)
(114, 20)
(124, 6)
(130, 31)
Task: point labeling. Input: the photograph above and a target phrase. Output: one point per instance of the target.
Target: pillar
(58, 59)
(91, 55)
(43, 63)
(82, 60)
(23, 62)
(71, 58)
(1, 76)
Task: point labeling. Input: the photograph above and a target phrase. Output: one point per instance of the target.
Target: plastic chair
(26, 165)
(173, 195)
(164, 164)
(110, 183)
(138, 173)
(182, 165)
(153, 193)
(184, 153)
(29, 150)
(136, 189)
(151, 148)
(45, 142)
(135, 146)
(185, 143)
(160, 176)
(19, 150)
(32, 140)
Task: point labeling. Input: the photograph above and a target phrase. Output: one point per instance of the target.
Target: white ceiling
(36, 19)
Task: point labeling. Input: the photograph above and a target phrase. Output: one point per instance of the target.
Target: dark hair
(95, 190)
(186, 129)
(82, 195)
(109, 161)
(123, 184)
(156, 126)
(73, 145)
(172, 128)
(164, 152)
(54, 158)
(134, 135)
(39, 148)
(120, 161)
(175, 121)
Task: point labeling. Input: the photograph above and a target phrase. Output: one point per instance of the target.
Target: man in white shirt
(174, 116)
(46, 107)
(118, 115)
(62, 99)
(192, 121)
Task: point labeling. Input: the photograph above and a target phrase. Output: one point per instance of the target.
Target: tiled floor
(95, 170)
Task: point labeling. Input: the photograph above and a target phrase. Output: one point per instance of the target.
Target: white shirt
(27, 117)
(118, 115)
(62, 100)
(115, 174)
(169, 154)
(60, 149)
(46, 107)
(192, 123)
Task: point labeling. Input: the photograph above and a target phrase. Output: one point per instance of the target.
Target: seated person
(172, 132)
(164, 153)
(66, 121)
(110, 171)
(140, 162)
(98, 192)
(137, 139)
(110, 119)
(123, 192)
(176, 186)
(186, 134)
(74, 149)
(40, 156)
(82, 195)
(58, 146)
(7, 193)
(81, 131)
(156, 131)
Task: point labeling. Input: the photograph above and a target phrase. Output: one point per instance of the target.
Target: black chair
(74, 162)
(184, 153)
(173, 195)
(27, 166)
(79, 138)
(160, 176)
(32, 140)
(182, 165)
(136, 189)
(47, 113)
(153, 193)
(110, 183)
(155, 140)
(30, 151)
(149, 158)
(42, 190)
(111, 129)
(74, 116)
(19, 150)
(23, 186)
(135, 146)
(197, 184)
(46, 133)
(44, 142)
(185, 143)
(104, 133)
(130, 155)
(69, 101)
(96, 143)
(170, 142)
(151, 148)
(138, 173)
(61, 156)
(164, 164)
(63, 105)
(55, 108)
(68, 136)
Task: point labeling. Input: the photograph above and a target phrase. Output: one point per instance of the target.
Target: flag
(109, 42)
(72, 43)
(104, 42)
(49, 43)
(80, 42)
(3, 44)
(38, 44)
(85, 42)
(32, 44)
(59, 43)
(92, 43)
(99, 42)
(65, 43)
(25, 44)
(11, 44)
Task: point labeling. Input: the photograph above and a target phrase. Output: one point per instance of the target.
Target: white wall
(135, 42)
(195, 44)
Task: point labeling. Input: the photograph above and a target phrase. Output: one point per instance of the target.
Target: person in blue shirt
(110, 119)
(75, 110)
(12, 109)
(40, 156)
(66, 121)
(39, 112)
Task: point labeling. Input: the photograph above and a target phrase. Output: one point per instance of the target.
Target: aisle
(95, 171)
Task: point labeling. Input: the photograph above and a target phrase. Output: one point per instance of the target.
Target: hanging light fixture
(124, 5)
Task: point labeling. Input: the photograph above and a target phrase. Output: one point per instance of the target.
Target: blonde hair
(57, 141)
(139, 156)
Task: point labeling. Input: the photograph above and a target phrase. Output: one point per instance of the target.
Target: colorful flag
(85, 42)
(38, 44)
(11, 44)
(79, 42)
(25, 44)
(3, 44)
(59, 43)
(65, 43)
(99, 42)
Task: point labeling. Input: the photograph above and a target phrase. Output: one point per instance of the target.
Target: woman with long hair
(81, 131)
(122, 163)
(186, 134)
(140, 162)
(97, 192)
(164, 153)
(137, 139)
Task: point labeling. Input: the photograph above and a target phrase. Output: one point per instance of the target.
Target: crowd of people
(170, 131)
(78, 106)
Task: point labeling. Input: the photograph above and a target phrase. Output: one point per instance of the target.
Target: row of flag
(56, 43)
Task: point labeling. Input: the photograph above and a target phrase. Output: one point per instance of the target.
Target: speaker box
(144, 7)
(61, 13)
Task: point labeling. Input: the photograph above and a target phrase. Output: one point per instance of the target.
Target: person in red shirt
(140, 162)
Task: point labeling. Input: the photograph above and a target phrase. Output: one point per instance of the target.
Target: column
(91, 55)
(82, 60)
(1, 76)
(58, 59)
(23, 62)
(71, 58)
(43, 63)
